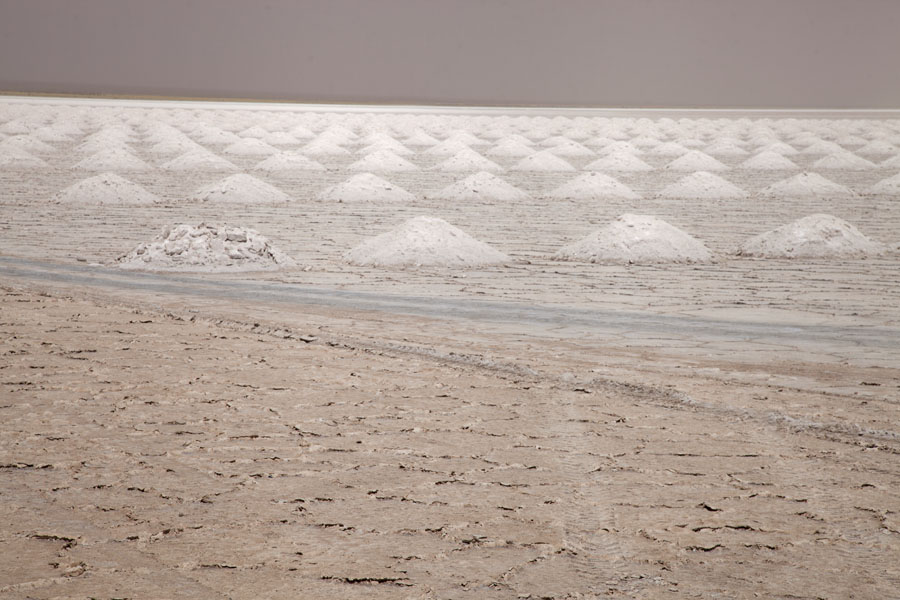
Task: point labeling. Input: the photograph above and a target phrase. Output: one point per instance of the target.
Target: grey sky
(633, 53)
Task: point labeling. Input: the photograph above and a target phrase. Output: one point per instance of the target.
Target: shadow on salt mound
(106, 188)
(481, 186)
(205, 248)
(637, 239)
(591, 186)
(366, 187)
(240, 189)
(702, 185)
(807, 185)
(815, 236)
(424, 241)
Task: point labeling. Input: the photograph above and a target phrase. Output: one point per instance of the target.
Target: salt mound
(106, 188)
(891, 185)
(815, 236)
(289, 161)
(543, 161)
(702, 185)
(482, 186)
(383, 160)
(669, 149)
(593, 185)
(781, 148)
(324, 147)
(512, 148)
(427, 241)
(468, 160)
(200, 159)
(250, 146)
(619, 161)
(696, 160)
(14, 158)
(570, 148)
(878, 147)
(113, 160)
(242, 189)
(27, 143)
(447, 148)
(366, 187)
(769, 160)
(389, 144)
(205, 248)
(843, 160)
(640, 239)
(807, 185)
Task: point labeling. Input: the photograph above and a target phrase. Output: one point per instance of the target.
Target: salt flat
(535, 428)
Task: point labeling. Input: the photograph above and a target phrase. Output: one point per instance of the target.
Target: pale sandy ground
(166, 443)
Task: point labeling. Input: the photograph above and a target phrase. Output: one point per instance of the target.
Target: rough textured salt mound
(891, 185)
(823, 147)
(366, 187)
(570, 148)
(807, 185)
(696, 161)
(447, 148)
(702, 185)
(198, 160)
(390, 145)
(769, 160)
(106, 188)
(725, 148)
(113, 160)
(280, 138)
(241, 189)
(289, 161)
(383, 160)
(482, 186)
(250, 146)
(619, 161)
(511, 148)
(639, 239)
(781, 148)
(205, 248)
(425, 241)
(543, 161)
(669, 149)
(420, 138)
(878, 147)
(324, 147)
(20, 159)
(27, 143)
(843, 160)
(815, 236)
(593, 185)
(468, 160)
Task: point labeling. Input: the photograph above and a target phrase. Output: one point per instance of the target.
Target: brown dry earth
(227, 451)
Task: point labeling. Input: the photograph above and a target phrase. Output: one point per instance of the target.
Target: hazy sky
(632, 53)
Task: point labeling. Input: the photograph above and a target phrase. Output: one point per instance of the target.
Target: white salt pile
(205, 248)
(815, 236)
(366, 187)
(891, 186)
(482, 186)
(383, 160)
(425, 241)
(543, 161)
(467, 160)
(570, 148)
(511, 148)
(241, 189)
(702, 185)
(593, 185)
(619, 161)
(696, 160)
(878, 147)
(14, 158)
(200, 159)
(768, 160)
(113, 160)
(806, 185)
(106, 188)
(447, 148)
(781, 148)
(669, 149)
(27, 143)
(843, 160)
(250, 146)
(324, 147)
(639, 239)
(288, 161)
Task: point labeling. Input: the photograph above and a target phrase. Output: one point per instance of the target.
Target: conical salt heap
(815, 236)
(482, 186)
(241, 189)
(806, 185)
(106, 188)
(702, 185)
(366, 187)
(593, 185)
(639, 239)
(424, 241)
(205, 248)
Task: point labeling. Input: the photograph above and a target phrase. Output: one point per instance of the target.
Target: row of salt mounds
(815, 236)
(482, 186)
(106, 188)
(592, 186)
(425, 241)
(702, 185)
(639, 239)
(807, 185)
(366, 187)
(241, 189)
(205, 248)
